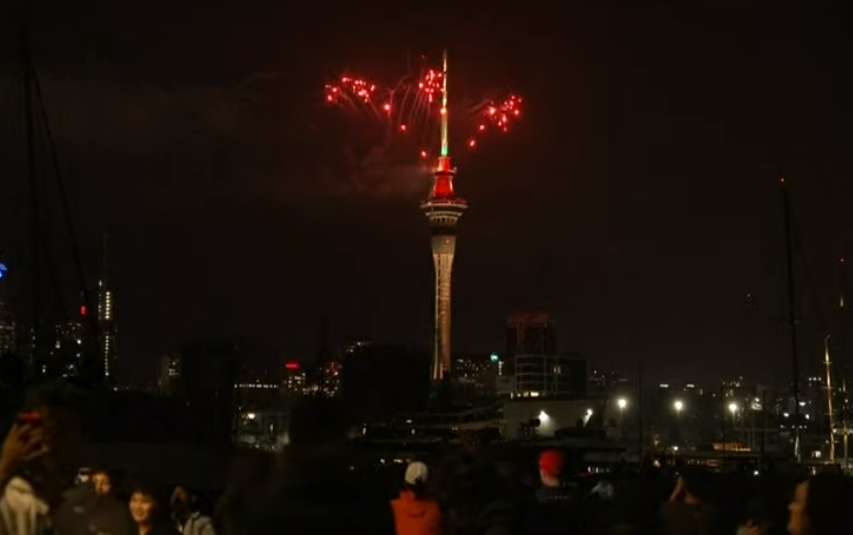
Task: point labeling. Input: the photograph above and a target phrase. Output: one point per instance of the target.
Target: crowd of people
(312, 486)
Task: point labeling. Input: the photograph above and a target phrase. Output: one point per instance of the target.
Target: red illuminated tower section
(443, 209)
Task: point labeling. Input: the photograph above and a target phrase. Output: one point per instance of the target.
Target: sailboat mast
(845, 356)
(640, 402)
(829, 413)
(844, 428)
(32, 180)
(792, 316)
(34, 111)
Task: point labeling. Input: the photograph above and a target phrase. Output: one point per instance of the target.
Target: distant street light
(733, 408)
(622, 403)
(678, 406)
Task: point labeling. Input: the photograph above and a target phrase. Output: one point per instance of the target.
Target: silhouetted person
(108, 515)
(186, 514)
(761, 518)
(556, 510)
(39, 454)
(820, 506)
(246, 478)
(12, 380)
(414, 513)
(687, 511)
(91, 508)
(312, 489)
(552, 489)
(477, 499)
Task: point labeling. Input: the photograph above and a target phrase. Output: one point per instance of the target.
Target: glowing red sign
(83, 310)
(291, 366)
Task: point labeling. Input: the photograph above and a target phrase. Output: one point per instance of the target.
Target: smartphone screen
(30, 418)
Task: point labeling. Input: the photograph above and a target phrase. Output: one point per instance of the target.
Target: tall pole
(792, 316)
(640, 401)
(844, 428)
(763, 430)
(829, 413)
(844, 353)
(723, 426)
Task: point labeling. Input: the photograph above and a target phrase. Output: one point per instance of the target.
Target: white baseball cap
(416, 473)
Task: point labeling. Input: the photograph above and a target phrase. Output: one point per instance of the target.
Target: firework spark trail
(354, 94)
(410, 111)
(495, 115)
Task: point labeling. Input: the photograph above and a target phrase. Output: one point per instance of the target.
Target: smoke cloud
(167, 145)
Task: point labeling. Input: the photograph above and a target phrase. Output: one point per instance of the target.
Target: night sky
(638, 201)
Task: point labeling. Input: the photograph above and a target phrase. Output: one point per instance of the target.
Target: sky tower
(443, 209)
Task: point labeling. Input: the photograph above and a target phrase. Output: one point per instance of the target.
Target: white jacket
(198, 524)
(21, 511)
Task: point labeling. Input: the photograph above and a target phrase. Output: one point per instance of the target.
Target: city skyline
(637, 203)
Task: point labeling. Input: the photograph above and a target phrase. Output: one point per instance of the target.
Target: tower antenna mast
(445, 149)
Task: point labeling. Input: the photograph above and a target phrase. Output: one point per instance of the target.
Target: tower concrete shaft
(443, 249)
(443, 209)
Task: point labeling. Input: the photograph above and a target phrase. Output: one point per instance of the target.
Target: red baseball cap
(551, 462)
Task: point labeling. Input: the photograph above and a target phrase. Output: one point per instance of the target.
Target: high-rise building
(476, 376)
(295, 380)
(8, 331)
(107, 328)
(169, 374)
(543, 375)
(443, 209)
(528, 334)
(331, 385)
(67, 351)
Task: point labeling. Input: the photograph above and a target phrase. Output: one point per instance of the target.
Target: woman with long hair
(820, 506)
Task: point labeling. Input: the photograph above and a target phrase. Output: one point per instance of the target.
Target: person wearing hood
(415, 514)
(186, 514)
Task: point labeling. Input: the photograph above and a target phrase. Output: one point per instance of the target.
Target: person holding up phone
(38, 455)
(687, 512)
